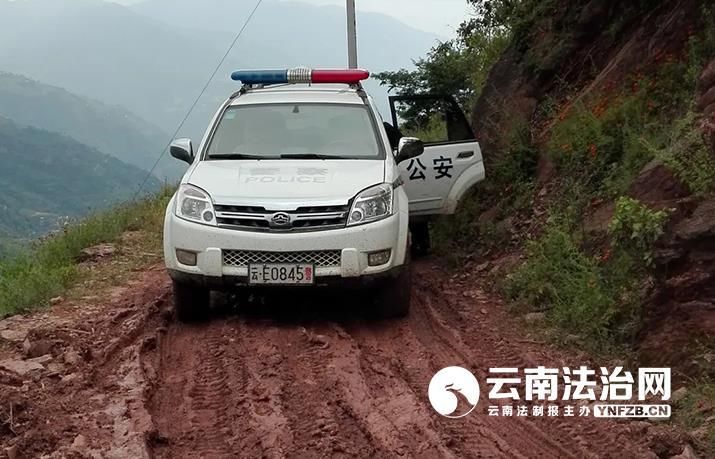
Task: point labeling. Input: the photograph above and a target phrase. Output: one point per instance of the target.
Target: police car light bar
(300, 75)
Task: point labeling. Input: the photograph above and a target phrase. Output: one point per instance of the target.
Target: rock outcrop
(680, 318)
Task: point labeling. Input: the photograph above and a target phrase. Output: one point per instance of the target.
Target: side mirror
(410, 147)
(183, 150)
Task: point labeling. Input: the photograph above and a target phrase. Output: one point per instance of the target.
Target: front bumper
(353, 244)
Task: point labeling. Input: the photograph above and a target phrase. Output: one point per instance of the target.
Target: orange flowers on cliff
(606, 255)
(593, 151)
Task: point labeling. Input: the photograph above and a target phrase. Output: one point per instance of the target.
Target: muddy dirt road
(304, 377)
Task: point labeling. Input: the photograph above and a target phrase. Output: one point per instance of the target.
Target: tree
(457, 67)
(493, 14)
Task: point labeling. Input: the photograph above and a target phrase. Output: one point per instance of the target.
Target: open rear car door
(452, 161)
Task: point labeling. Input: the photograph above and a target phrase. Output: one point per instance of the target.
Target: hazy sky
(437, 16)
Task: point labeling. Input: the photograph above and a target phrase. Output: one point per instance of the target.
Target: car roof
(300, 93)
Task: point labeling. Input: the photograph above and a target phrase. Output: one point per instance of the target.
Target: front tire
(421, 241)
(394, 297)
(191, 303)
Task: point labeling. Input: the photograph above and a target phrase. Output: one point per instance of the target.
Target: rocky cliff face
(679, 315)
(680, 318)
(536, 66)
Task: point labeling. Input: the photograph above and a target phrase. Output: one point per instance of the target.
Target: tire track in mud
(191, 407)
(267, 387)
(402, 400)
(314, 383)
(260, 408)
(321, 422)
(514, 434)
(593, 437)
(475, 435)
(265, 392)
(387, 409)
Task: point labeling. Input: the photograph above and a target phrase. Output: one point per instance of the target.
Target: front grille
(303, 219)
(319, 258)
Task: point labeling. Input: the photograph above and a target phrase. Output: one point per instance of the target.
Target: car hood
(286, 184)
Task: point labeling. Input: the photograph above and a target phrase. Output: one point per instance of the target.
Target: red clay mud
(292, 377)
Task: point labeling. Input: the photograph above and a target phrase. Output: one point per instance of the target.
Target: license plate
(281, 274)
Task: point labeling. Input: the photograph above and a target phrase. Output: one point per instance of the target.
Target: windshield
(295, 131)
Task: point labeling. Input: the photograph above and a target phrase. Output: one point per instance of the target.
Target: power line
(206, 86)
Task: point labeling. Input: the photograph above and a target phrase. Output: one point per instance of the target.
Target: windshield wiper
(308, 156)
(237, 156)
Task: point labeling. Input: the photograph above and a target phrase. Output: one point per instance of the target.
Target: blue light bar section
(260, 76)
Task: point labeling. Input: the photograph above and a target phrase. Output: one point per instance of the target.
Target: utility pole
(352, 35)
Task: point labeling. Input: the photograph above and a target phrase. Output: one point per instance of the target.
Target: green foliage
(29, 279)
(8, 247)
(599, 145)
(455, 236)
(494, 14)
(669, 95)
(46, 177)
(688, 155)
(549, 33)
(456, 67)
(577, 292)
(601, 148)
(446, 70)
(518, 16)
(694, 413)
(636, 228)
(509, 188)
(559, 278)
(602, 144)
(518, 164)
(434, 129)
(701, 47)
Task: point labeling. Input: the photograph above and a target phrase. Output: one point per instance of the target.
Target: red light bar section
(351, 76)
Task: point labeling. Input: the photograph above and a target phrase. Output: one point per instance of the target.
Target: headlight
(195, 204)
(371, 205)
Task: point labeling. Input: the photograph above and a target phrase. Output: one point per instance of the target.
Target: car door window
(433, 119)
(452, 161)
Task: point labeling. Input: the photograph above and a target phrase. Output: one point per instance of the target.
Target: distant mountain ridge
(110, 129)
(94, 71)
(46, 177)
(107, 52)
(290, 33)
(154, 57)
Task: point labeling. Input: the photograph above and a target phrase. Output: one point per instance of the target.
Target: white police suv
(298, 182)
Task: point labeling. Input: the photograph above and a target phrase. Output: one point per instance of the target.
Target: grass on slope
(31, 278)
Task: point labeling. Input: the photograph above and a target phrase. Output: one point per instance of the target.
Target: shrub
(688, 155)
(601, 147)
(577, 291)
(635, 228)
